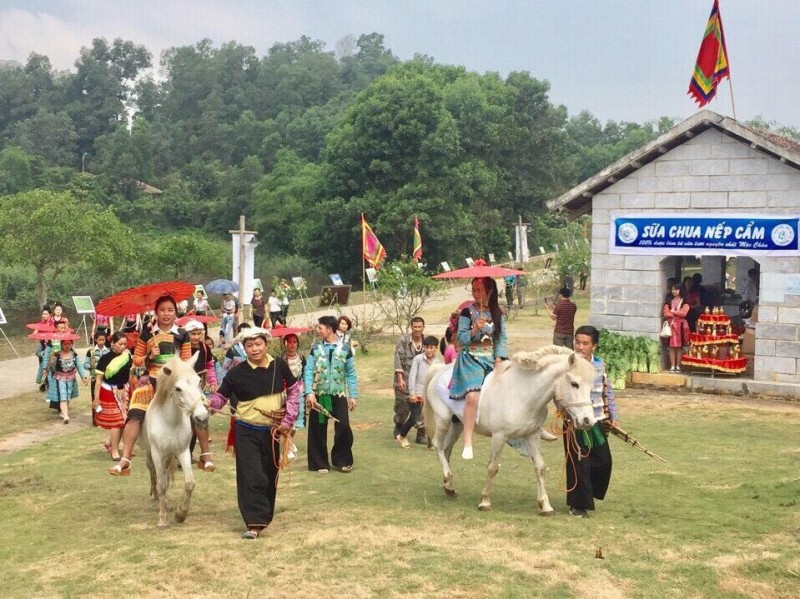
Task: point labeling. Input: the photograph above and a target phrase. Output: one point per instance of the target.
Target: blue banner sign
(720, 236)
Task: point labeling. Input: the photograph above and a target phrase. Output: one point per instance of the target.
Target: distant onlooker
(563, 313)
(275, 309)
(750, 290)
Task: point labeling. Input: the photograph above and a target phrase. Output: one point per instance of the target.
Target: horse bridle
(186, 410)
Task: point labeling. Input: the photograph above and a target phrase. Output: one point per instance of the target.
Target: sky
(622, 60)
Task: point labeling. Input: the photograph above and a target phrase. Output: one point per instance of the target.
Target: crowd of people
(271, 397)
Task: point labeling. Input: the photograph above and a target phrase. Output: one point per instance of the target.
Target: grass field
(721, 519)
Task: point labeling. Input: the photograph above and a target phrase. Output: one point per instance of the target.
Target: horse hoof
(451, 493)
(180, 518)
(549, 514)
(161, 526)
(485, 507)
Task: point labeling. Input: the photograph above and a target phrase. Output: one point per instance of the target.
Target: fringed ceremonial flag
(712, 60)
(370, 246)
(417, 255)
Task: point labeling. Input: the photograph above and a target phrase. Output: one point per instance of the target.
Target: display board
(372, 275)
(2, 318)
(336, 279)
(83, 304)
(332, 295)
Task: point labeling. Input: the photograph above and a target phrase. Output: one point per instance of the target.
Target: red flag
(417, 255)
(712, 60)
(371, 248)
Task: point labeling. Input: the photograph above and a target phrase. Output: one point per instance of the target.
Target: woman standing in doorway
(675, 312)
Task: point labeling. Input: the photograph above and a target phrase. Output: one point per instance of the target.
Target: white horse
(168, 432)
(512, 405)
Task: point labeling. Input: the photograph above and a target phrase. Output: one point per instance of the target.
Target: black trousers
(256, 475)
(415, 409)
(258, 320)
(589, 475)
(342, 451)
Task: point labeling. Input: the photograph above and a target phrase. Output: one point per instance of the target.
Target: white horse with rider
(512, 405)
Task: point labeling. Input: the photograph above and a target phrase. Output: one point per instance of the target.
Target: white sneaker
(467, 453)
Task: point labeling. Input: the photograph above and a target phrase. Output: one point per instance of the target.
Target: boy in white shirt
(416, 385)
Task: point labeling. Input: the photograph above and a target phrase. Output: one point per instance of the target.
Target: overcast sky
(620, 59)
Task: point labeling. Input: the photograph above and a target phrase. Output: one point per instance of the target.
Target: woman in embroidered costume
(63, 365)
(297, 363)
(482, 339)
(112, 390)
(204, 367)
(676, 310)
(154, 348)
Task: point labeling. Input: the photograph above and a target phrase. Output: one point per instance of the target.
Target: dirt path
(28, 438)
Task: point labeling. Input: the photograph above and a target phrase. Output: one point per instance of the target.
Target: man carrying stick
(329, 379)
(255, 389)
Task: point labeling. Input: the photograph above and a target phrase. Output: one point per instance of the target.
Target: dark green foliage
(301, 142)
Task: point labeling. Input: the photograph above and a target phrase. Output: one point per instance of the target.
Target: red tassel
(230, 444)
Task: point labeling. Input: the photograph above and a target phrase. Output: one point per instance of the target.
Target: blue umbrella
(222, 286)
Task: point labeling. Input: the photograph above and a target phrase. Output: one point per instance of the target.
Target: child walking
(416, 386)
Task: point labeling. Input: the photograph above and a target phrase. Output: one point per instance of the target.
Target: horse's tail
(427, 410)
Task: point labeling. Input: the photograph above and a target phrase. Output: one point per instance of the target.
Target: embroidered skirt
(114, 409)
(469, 372)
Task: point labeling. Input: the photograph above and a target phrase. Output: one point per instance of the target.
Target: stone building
(707, 170)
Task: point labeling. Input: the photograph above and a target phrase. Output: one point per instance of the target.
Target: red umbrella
(41, 326)
(199, 318)
(120, 309)
(139, 299)
(473, 272)
(54, 336)
(283, 331)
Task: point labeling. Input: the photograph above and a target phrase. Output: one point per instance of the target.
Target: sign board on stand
(2, 322)
(372, 276)
(333, 295)
(541, 250)
(510, 256)
(336, 279)
(470, 262)
(301, 286)
(491, 259)
(83, 306)
(446, 267)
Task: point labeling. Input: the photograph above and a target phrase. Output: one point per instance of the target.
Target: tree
(15, 171)
(53, 230)
(402, 290)
(185, 255)
(51, 136)
(100, 91)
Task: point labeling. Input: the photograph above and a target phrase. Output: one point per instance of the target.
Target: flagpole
(363, 277)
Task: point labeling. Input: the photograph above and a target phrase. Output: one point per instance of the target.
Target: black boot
(422, 439)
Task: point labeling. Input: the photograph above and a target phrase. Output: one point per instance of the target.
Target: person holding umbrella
(482, 339)
(230, 312)
(63, 365)
(154, 348)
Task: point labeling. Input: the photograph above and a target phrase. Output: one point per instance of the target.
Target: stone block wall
(711, 173)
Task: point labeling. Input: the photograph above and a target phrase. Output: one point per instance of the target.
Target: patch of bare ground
(27, 438)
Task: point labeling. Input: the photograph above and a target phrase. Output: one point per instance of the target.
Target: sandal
(206, 465)
(251, 534)
(404, 443)
(122, 468)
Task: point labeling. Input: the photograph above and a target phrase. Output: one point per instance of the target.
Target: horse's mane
(177, 369)
(541, 358)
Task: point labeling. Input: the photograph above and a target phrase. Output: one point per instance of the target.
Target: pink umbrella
(474, 272)
(54, 336)
(41, 326)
